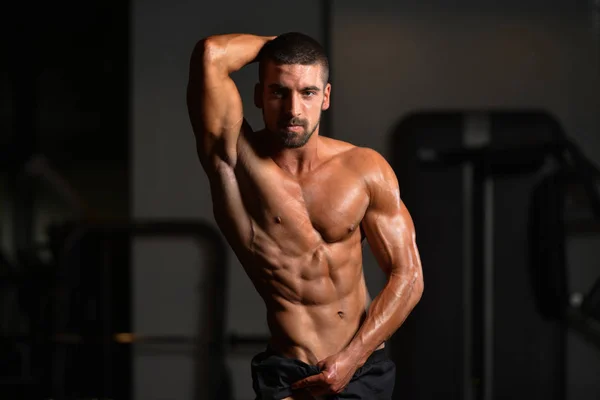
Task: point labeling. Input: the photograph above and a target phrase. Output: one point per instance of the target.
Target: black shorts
(273, 374)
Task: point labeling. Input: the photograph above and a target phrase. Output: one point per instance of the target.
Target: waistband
(377, 356)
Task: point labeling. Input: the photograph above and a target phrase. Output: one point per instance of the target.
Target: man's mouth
(294, 128)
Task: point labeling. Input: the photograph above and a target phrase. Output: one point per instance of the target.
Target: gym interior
(117, 284)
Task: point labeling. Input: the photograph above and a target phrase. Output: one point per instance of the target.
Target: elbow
(208, 51)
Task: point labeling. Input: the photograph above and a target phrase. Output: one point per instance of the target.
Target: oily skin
(292, 205)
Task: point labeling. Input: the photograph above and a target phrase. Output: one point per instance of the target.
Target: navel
(341, 314)
(351, 228)
(278, 219)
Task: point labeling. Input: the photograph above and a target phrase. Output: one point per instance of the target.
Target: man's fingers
(310, 381)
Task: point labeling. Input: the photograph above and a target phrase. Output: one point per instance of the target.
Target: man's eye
(310, 93)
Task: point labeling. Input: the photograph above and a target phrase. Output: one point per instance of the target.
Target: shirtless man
(294, 206)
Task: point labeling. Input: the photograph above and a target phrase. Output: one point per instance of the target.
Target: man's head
(293, 87)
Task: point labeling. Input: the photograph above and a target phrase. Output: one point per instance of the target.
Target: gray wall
(409, 58)
(168, 182)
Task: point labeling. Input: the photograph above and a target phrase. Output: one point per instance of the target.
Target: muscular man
(294, 206)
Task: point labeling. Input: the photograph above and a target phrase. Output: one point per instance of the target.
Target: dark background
(488, 111)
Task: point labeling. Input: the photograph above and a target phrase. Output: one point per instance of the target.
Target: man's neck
(298, 161)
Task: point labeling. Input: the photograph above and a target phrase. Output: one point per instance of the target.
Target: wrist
(263, 41)
(357, 353)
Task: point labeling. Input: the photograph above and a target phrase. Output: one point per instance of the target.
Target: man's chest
(330, 202)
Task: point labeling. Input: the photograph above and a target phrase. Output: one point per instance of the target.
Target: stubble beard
(293, 140)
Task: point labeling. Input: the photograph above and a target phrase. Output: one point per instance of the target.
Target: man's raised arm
(214, 103)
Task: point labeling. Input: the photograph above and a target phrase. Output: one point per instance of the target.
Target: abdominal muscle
(314, 308)
(313, 333)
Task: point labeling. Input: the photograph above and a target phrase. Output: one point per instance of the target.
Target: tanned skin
(293, 213)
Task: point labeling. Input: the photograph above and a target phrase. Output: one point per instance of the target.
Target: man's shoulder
(362, 159)
(352, 151)
(336, 146)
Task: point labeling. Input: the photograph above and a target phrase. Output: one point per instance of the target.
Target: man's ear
(326, 97)
(258, 102)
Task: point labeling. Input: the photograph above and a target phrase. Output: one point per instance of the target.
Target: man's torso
(303, 250)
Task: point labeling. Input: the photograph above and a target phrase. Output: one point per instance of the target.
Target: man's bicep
(391, 236)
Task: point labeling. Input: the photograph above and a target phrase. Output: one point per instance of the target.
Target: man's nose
(293, 105)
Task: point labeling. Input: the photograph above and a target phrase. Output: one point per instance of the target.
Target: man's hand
(336, 373)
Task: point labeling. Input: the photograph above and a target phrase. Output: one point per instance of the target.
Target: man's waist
(311, 344)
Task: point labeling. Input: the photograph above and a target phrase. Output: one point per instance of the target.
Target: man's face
(292, 98)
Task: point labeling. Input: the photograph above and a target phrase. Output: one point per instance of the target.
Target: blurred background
(115, 283)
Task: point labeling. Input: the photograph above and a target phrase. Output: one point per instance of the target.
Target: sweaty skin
(295, 217)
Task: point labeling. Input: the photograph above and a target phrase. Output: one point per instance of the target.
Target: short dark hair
(293, 48)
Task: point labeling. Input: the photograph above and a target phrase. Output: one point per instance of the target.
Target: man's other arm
(390, 232)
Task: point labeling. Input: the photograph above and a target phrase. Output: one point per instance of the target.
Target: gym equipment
(548, 227)
(556, 215)
(79, 353)
(468, 179)
(91, 271)
(231, 342)
(486, 162)
(104, 287)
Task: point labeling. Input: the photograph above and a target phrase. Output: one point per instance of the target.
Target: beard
(294, 139)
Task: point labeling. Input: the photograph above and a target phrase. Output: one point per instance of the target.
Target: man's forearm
(386, 314)
(233, 51)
